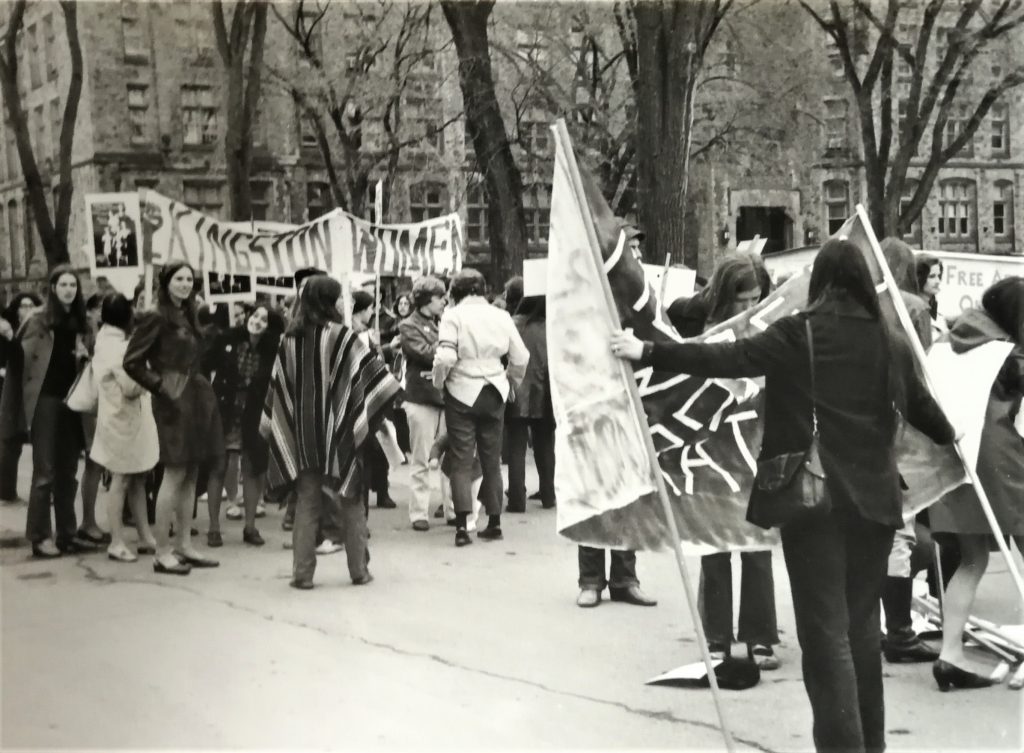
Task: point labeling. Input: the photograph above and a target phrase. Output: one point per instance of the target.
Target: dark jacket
(163, 352)
(221, 360)
(533, 395)
(854, 417)
(419, 341)
(688, 315)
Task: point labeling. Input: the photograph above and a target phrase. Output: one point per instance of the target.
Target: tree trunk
(669, 56)
(468, 23)
(53, 231)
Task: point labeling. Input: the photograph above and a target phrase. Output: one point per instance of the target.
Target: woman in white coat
(126, 441)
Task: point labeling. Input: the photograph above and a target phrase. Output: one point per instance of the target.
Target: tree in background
(370, 99)
(240, 42)
(670, 39)
(910, 70)
(468, 21)
(53, 229)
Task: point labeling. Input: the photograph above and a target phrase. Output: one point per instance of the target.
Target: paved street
(476, 648)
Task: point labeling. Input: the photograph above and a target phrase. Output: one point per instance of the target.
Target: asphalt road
(474, 648)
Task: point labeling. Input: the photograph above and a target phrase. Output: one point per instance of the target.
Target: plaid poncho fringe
(326, 390)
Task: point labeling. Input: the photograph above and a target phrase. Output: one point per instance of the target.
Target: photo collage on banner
(114, 248)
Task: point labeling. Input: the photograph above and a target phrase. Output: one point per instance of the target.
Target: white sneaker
(328, 547)
(234, 512)
(261, 510)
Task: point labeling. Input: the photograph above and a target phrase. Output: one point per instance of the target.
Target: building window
(835, 59)
(307, 129)
(956, 202)
(34, 58)
(532, 46)
(837, 204)
(133, 32)
(205, 197)
(56, 122)
(49, 47)
(199, 115)
(14, 235)
(537, 208)
(476, 214)
(534, 134)
(138, 113)
(318, 199)
(1002, 210)
(13, 160)
(1000, 120)
(955, 125)
(913, 232)
(261, 192)
(39, 141)
(427, 200)
(835, 124)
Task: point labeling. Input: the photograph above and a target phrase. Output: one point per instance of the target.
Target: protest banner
(283, 285)
(966, 276)
(431, 247)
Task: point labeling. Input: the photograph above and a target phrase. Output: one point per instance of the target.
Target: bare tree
(942, 107)
(468, 20)
(240, 42)
(670, 42)
(53, 230)
(380, 66)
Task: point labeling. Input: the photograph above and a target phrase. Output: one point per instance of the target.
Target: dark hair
(425, 289)
(166, 304)
(11, 312)
(94, 301)
(1004, 303)
(408, 299)
(305, 273)
(54, 314)
(840, 272)
(901, 263)
(116, 310)
(467, 282)
(733, 273)
(361, 300)
(533, 308)
(317, 305)
(924, 265)
(513, 293)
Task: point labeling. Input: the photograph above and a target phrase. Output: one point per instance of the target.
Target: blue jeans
(592, 573)
(56, 445)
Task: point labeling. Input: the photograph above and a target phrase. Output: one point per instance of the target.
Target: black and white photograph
(608, 375)
(114, 223)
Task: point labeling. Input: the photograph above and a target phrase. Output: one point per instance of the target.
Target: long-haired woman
(163, 356)
(125, 442)
(327, 394)
(929, 271)
(39, 378)
(864, 379)
(241, 360)
(21, 307)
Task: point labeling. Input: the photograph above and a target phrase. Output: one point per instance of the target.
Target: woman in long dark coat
(836, 560)
(163, 356)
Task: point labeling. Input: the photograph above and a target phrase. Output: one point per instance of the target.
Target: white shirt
(473, 337)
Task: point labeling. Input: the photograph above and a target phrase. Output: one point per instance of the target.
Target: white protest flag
(602, 458)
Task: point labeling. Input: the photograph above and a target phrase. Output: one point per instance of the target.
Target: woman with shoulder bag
(840, 392)
(38, 380)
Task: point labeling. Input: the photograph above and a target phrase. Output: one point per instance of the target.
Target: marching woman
(1001, 318)
(241, 360)
(125, 442)
(39, 376)
(327, 394)
(18, 311)
(163, 356)
(863, 379)
(929, 280)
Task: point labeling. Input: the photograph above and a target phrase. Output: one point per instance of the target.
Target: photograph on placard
(221, 287)
(276, 285)
(114, 222)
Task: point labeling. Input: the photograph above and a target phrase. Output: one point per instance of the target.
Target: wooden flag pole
(915, 343)
(562, 135)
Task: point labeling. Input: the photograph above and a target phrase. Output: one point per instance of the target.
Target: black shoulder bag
(791, 486)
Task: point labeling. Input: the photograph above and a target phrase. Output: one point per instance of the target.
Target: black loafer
(462, 538)
(631, 595)
(75, 545)
(179, 569)
(302, 585)
(196, 561)
(84, 535)
(490, 534)
(252, 537)
(387, 503)
(362, 580)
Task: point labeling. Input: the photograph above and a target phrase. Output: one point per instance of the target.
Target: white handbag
(84, 395)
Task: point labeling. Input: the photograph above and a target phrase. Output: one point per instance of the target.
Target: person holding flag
(864, 378)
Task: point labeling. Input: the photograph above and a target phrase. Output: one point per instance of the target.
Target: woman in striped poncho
(327, 394)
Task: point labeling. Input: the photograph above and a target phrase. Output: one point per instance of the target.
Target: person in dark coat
(163, 356)
(864, 374)
(41, 371)
(18, 311)
(241, 360)
(531, 413)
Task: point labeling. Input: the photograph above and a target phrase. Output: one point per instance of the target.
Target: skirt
(189, 427)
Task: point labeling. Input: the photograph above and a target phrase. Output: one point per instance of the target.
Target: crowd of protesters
(291, 404)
